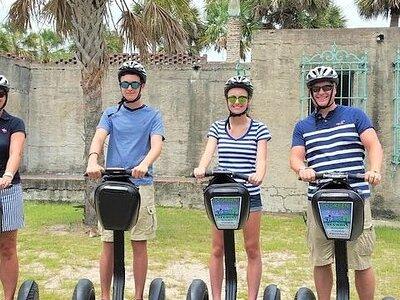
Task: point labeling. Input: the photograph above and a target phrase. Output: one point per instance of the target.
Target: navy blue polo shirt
(333, 143)
(8, 125)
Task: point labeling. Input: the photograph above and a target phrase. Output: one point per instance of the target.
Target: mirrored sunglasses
(241, 99)
(134, 84)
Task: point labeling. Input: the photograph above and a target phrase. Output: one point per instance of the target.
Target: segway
(117, 203)
(228, 206)
(339, 211)
(29, 289)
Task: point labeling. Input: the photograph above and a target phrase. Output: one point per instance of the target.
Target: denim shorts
(255, 203)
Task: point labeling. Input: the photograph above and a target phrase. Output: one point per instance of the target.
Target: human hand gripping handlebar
(340, 175)
(114, 171)
(215, 172)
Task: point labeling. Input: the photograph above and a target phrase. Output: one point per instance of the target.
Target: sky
(348, 7)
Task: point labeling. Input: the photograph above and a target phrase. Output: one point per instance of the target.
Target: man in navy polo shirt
(335, 138)
(136, 134)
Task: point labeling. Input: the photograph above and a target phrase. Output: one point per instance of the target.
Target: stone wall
(276, 58)
(49, 99)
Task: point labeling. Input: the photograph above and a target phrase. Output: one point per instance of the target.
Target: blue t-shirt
(333, 143)
(239, 154)
(129, 136)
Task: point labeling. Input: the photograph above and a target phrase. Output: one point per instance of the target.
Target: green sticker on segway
(337, 219)
(226, 211)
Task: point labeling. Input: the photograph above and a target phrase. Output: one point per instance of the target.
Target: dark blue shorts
(255, 203)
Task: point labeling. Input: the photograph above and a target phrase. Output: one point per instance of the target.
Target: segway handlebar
(116, 172)
(227, 172)
(339, 175)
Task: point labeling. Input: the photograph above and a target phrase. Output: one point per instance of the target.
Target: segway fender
(304, 294)
(157, 289)
(197, 290)
(29, 290)
(272, 292)
(84, 290)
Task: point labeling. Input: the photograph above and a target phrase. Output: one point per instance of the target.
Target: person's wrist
(302, 168)
(8, 174)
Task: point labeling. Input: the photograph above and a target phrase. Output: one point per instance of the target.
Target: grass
(55, 250)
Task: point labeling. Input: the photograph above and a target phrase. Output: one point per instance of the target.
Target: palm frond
(162, 26)
(59, 12)
(134, 32)
(21, 12)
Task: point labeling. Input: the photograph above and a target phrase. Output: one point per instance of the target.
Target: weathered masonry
(189, 92)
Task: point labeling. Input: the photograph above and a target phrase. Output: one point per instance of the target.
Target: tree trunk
(88, 35)
(394, 17)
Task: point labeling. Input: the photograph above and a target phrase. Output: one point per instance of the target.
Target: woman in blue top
(241, 143)
(12, 139)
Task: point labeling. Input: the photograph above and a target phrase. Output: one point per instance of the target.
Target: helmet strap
(4, 104)
(330, 102)
(124, 100)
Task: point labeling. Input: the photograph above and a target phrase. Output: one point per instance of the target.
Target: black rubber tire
(272, 292)
(84, 290)
(304, 294)
(157, 289)
(29, 290)
(197, 290)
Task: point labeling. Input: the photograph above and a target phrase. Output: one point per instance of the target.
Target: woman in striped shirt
(12, 138)
(241, 144)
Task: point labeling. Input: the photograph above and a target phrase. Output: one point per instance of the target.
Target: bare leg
(323, 279)
(251, 234)
(365, 283)
(8, 263)
(216, 263)
(106, 269)
(140, 263)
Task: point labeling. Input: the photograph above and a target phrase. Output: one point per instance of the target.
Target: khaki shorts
(145, 228)
(359, 251)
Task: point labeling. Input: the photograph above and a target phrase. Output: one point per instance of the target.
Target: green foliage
(374, 8)
(257, 14)
(44, 46)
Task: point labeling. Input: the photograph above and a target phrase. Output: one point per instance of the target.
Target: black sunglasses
(325, 88)
(134, 84)
(2, 94)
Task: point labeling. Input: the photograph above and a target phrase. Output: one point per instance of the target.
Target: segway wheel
(29, 290)
(304, 294)
(84, 290)
(197, 290)
(157, 289)
(272, 292)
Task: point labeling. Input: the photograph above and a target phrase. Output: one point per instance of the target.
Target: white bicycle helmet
(4, 83)
(132, 67)
(321, 73)
(239, 82)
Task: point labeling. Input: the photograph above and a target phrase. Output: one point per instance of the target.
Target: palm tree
(374, 8)
(85, 23)
(268, 14)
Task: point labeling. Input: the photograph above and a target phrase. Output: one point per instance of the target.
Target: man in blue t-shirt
(136, 134)
(334, 138)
